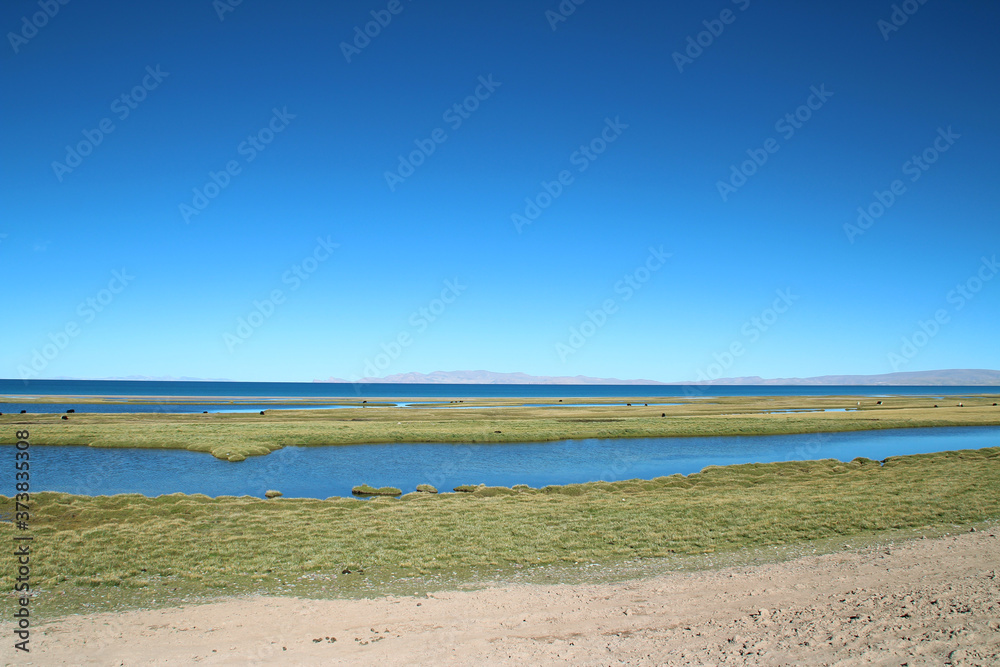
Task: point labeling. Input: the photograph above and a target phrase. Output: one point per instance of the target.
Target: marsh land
(236, 436)
(126, 553)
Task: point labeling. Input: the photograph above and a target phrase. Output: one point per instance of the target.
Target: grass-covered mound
(365, 490)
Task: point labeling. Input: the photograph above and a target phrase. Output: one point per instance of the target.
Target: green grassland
(126, 551)
(237, 436)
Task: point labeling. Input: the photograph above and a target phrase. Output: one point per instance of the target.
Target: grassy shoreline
(235, 436)
(127, 551)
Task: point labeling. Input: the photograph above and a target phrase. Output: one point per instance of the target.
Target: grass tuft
(365, 490)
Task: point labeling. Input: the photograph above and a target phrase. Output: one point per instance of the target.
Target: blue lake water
(321, 472)
(14, 407)
(415, 391)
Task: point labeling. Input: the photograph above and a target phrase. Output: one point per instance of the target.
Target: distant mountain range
(149, 378)
(952, 377)
(488, 377)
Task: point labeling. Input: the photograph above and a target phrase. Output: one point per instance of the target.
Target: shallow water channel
(321, 472)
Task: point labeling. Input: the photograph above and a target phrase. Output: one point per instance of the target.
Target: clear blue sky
(606, 77)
